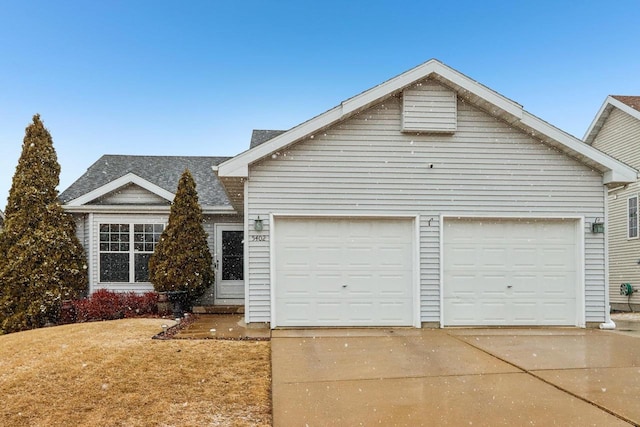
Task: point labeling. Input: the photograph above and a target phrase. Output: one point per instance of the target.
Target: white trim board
(601, 116)
(143, 209)
(111, 186)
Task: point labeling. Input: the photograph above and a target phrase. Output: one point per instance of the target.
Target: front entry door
(229, 264)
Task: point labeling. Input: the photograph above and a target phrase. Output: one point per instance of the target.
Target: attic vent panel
(429, 108)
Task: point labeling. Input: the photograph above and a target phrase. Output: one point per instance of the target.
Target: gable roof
(628, 104)
(258, 136)
(466, 88)
(157, 174)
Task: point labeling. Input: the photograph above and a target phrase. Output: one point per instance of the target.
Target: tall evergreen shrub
(42, 261)
(181, 260)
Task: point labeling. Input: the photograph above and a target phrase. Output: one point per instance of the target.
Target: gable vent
(430, 108)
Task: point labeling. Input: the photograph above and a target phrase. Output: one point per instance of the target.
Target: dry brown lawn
(114, 374)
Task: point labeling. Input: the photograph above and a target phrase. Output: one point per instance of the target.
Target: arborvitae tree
(181, 260)
(43, 262)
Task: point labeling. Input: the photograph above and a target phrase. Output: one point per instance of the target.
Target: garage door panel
(330, 313)
(491, 256)
(514, 269)
(297, 311)
(359, 272)
(492, 311)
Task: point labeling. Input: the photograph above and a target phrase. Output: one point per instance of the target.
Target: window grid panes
(632, 217)
(125, 250)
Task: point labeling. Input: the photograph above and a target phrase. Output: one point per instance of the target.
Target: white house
(616, 131)
(427, 200)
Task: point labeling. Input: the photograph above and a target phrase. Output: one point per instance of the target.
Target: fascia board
(620, 171)
(479, 90)
(603, 113)
(239, 165)
(122, 209)
(624, 107)
(129, 178)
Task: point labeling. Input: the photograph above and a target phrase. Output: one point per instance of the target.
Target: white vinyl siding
(367, 166)
(131, 195)
(620, 138)
(428, 107)
(91, 238)
(624, 252)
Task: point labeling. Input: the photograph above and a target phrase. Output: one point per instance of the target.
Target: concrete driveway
(455, 377)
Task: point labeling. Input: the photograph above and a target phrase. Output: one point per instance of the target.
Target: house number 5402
(262, 238)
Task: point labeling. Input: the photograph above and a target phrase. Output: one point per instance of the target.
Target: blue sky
(195, 77)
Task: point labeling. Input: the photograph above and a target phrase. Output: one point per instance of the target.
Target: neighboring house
(121, 205)
(1, 220)
(427, 200)
(616, 131)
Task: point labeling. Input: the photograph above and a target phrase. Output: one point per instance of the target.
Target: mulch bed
(169, 333)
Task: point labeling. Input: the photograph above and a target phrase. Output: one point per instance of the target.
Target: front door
(229, 264)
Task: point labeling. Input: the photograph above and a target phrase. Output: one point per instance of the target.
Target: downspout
(608, 323)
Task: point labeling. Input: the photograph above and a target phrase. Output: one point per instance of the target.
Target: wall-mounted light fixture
(597, 226)
(257, 224)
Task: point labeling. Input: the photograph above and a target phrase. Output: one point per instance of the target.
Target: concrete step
(218, 309)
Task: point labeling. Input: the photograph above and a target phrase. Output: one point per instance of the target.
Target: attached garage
(428, 200)
(511, 272)
(344, 271)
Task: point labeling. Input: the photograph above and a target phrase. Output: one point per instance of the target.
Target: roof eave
(609, 103)
(612, 170)
(111, 186)
(137, 209)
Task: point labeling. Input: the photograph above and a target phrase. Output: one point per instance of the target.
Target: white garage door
(508, 272)
(344, 272)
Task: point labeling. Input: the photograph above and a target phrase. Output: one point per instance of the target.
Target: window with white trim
(632, 217)
(125, 250)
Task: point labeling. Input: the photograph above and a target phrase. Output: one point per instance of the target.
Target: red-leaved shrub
(107, 305)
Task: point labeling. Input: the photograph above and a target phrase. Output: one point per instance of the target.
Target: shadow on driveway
(487, 377)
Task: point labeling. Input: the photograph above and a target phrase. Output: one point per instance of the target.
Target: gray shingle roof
(163, 171)
(258, 136)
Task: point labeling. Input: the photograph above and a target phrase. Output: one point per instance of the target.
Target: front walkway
(223, 326)
(486, 377)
